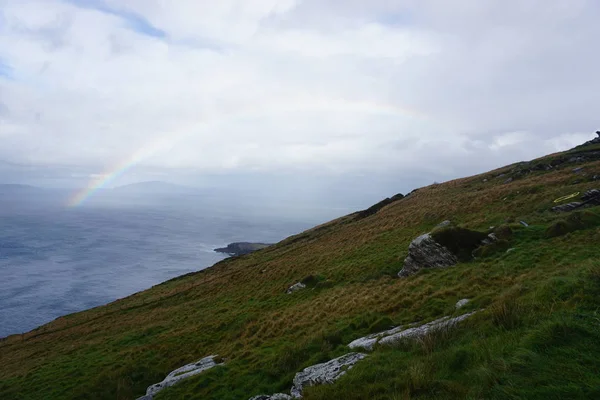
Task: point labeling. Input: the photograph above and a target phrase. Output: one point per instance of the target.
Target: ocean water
(55, 261)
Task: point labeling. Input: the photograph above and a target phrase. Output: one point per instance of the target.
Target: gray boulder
(325, 373)
(461, 303)
(425, 252)
(588, 199)
(368, 342)
(393, 336)
(276, 396)
(296, 287)
(591, 195)
(567, 207)
(181, 373)
(420, 331)
(444, 223)
(490, 239)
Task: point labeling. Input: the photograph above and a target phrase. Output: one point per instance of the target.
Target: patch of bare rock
(445, 246)
(396, 335)
(181, 373)
(319, 374)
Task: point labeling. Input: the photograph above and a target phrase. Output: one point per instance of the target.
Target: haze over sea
(56, 260)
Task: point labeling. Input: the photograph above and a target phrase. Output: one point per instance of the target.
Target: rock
(461, 303)
(485, 180)
(276, 396)
(443, 247)
(510, 250)
(525, 224)
(576, 170)
(241, 248)
(395, 335)
(424, 252)
(295, 288)
(368, 342)
(325, 373)
(376, 207)
(420, 331)
(181, 373)
(589, 198)
(444, 223)
(567, 207)
(594, 140)
(509, 180)
(590, 195)
(595, 177)
(491, 238)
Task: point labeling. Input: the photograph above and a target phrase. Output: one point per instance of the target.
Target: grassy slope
(538, 338)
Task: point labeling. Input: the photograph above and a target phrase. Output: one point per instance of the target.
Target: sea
(57, 260)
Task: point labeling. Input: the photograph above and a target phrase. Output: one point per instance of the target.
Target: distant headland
(241, 248)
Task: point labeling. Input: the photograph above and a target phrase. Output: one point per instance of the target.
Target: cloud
(407, 88)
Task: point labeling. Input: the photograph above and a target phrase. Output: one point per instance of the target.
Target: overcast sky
(407, 91)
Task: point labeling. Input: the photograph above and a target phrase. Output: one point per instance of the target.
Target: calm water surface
(55, 261)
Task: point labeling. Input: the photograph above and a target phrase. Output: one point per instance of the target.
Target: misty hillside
(520, 244)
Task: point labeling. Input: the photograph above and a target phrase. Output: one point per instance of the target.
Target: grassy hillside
(539, 336)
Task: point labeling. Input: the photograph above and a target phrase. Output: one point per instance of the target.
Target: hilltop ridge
(534, 335)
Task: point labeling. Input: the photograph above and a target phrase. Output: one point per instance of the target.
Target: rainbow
(105, 179)
(165, 142)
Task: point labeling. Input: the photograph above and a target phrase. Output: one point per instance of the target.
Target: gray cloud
(326, 90)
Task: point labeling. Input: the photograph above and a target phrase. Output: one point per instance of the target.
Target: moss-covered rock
(500, 245)
(503, 232)
(574, 222)
(460, 241)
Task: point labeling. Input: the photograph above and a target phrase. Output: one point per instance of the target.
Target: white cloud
(418, 87)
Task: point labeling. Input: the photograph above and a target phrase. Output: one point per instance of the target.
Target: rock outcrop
(588, 199)
(295, 287)
(443, 247)
(241, 248)
(181, 373)
(319, 374)
(324, 373)
(461, 303)
(396, 335)
(424, 252)
(376, 207)
(276, 396)
(368, 342)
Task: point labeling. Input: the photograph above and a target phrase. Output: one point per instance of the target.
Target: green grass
(537, 338)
